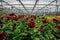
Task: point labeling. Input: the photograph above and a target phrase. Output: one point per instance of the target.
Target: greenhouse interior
(29, 19)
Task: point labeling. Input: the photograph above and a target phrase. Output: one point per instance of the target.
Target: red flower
(58, 27)
(26, 20)
(12, 17)
(16, 19)
(31, 24)
(3, 36)
(12, 14)
(14, 26)
(19, 16)
(32, 16)
(8, 17)
(55, 20)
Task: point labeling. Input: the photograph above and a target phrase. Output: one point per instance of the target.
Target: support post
(1, 7)
(56, 9)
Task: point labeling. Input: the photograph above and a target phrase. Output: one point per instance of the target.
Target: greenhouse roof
(31, 5)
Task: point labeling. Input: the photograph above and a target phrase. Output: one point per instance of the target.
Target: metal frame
(30, 8)
(34, 6)
(11, 5)
(1, 6)
(23, 5)
(46, 5)
(56, 9)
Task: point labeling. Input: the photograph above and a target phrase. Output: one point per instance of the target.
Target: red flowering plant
(3, 36)
(37, 30)
(31, 24)
(25, 20)
(58, 26)
(32, 16)
(19, 16)
(16, 18)
(12, 16)
(55, 20)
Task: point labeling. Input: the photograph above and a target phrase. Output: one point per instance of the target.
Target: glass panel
(6, 6)
(44, 1)
(29, 4)
(58, 2)
(59, 9)
(28, 1)
(12, 1)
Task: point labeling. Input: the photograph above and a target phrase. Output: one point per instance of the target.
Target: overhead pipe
(33, 4)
